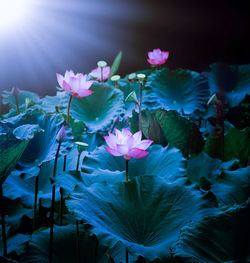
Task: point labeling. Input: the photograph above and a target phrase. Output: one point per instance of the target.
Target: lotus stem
(17, 105)
(61, 199)
(101, 74)
(140, 104)
(126, 255)
(78, 242)
(96, 250)
(53, 207)
(35, 202)
(126, 171)
(3, 221)
(78, 161)
(70, 99)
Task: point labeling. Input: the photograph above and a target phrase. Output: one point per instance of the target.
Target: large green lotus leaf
(15, 214)
(8, 98)
(180, 132)
(165, 162)
(52, 104)
(145, 214)
(203, 170)
(236, 145)
(64, 246)
(100, 108)
(235, 80)
(178, 90)
(13, 147)
(21, 183)
(43, 146)
(221, 238)
(232, 187)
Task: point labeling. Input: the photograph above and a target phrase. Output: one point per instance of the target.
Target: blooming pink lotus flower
(97, 72)
(77, 85)
(157, 57)
(124, 143)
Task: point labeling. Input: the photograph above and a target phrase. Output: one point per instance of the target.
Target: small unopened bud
(141, 77)
(101, 64)
(213, 99)
(81, 146)
(131, 97)
(15, 91)
(29, 103)
(61, 135)
(92, 75)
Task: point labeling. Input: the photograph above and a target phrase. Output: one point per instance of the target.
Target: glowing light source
(13, 13)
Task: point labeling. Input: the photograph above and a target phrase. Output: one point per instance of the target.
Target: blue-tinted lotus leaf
(232, 187)
(16, 244)
(52, 104)
(180, 90)
(203, 170)
(221, 238)
(180, 132)
(12, 148)
(8, 98)
(43, 146)
(100, 108)
(235, 81)
(15, 213)
(21, 183)
(145, 214)
(165, 162)
(236, 146)
(64, 245)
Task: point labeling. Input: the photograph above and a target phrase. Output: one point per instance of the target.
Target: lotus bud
(15, 91)
(132, 97)
(81, 146)
(61, 135)
(29, 103)
(92, 75)
(101, 64)
(213, 99)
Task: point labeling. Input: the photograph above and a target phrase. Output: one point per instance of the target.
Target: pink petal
(66, 86)
(83, 93)
(150, 54)
(111, 140)
(74, 83)
(112, 151)
(137, 153)
(144, 144)
(126, 132)
(60, 79)
(123, 149)
(137, 137)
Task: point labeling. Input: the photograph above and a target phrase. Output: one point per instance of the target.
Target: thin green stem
(101, 74)
(126, 171)
(35, 202)
(126, 255)
(78, 161)
(53, 207)
(61, 193)
(70, 99)
(140, 104)
(3, 221)
(17, 105)
(78, 242)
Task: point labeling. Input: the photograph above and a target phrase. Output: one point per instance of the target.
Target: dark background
(76, 34)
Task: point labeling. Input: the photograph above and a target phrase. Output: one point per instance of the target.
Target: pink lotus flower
(77, 85)
(125, 144)
(61, 135)
(98, 73)
(157, 57)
